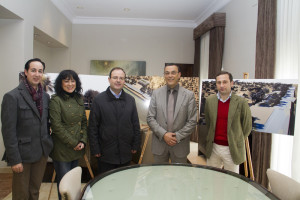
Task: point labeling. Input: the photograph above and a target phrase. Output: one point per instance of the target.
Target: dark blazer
(114, 128)
(25, 134)
(185, 120)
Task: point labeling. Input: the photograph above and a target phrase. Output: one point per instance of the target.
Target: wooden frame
(248, 153)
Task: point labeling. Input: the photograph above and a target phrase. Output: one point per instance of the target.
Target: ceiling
(6, 14)
(168, 13)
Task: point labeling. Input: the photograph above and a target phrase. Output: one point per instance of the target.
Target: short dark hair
(224, 72)
(27, 64)
(64, 75)
(171, 64)
(116, 68)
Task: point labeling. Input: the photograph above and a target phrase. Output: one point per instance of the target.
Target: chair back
(283, 186)
(70, 184)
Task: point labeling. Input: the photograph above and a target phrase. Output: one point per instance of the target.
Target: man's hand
(170, 138)
(18, 168)
(97, 155)
(133, 151)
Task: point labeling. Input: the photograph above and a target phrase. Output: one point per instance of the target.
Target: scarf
(37, 96)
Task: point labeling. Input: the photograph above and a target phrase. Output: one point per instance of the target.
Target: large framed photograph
(132, 68)
(272, 102)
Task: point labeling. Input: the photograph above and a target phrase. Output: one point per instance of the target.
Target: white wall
(155, 45)
(10, 52)
(43, 52)
(16, 39)
(240, 37)
(43, 15)
(55, 59)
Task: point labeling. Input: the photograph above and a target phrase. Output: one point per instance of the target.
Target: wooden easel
(145, 144)
(248, 153)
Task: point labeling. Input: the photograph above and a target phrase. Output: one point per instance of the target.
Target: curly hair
(65, 74)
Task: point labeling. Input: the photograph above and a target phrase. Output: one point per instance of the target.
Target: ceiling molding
(64, 9)
(215, 6)
(135, 22)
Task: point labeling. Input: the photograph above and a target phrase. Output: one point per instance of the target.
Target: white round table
(171, 182)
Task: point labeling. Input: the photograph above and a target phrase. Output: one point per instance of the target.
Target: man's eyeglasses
(172, 73)
(116, 78)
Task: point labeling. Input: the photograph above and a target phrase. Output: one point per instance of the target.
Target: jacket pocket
(25, 147)
(26, 112)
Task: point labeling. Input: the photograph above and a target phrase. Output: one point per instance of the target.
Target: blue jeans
(61, 168)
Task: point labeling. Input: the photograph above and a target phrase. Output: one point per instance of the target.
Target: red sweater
(221, 125)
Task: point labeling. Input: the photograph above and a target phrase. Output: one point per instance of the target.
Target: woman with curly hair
(68, 123)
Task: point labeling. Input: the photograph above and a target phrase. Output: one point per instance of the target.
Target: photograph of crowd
(140, 87)
(143, 86)
(272, 102)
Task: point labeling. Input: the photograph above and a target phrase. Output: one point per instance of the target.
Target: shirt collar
(116, 95)
(218, 95)
(175, 88)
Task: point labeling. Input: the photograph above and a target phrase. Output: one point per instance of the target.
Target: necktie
(170, 111)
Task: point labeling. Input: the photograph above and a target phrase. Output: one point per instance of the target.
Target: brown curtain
(264, 69)
(265, 39)
(216, 25)
(216, 47)
(196, 69)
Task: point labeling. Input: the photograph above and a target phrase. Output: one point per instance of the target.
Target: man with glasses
(172, 118)
(114, 128)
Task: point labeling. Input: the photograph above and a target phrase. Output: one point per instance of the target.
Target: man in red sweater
(229, 122)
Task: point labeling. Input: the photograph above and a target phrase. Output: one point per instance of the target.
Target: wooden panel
(5, 184)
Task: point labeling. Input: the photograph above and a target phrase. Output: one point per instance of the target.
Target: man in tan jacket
(229, 122)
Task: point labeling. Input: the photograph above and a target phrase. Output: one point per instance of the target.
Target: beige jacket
(238, 128)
